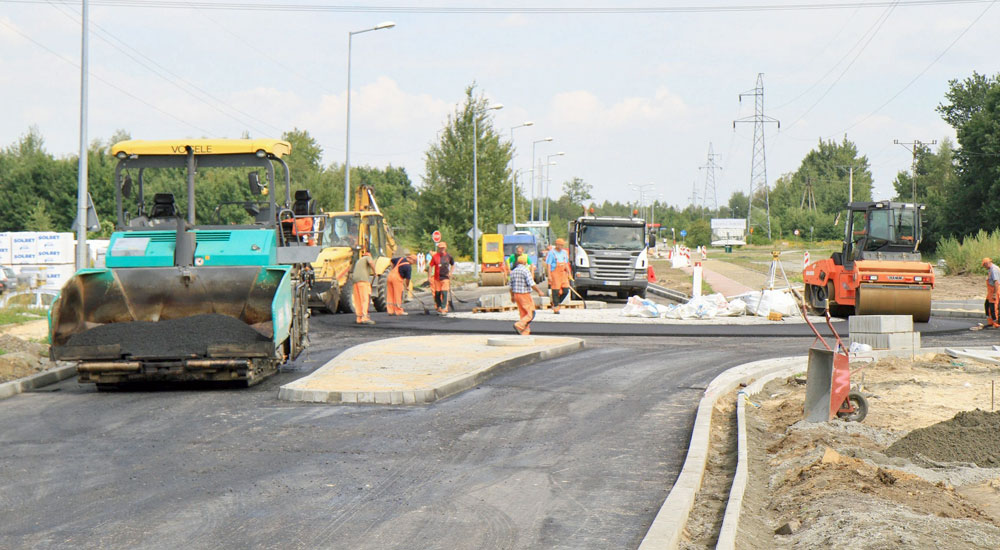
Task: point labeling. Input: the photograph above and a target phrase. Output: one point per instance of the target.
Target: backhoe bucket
(828, 381)
(171, 313)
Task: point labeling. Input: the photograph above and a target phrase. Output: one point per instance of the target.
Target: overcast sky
(629, 97)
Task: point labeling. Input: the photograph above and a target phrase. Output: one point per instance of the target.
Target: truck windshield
(891, 227)
(610, 237)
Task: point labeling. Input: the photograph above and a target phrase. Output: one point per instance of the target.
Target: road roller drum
(894, 300)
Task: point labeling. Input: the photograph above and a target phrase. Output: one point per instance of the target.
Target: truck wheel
(642, 293)
(816, 296)
(582, 293)
(347, 297)
(380, 294)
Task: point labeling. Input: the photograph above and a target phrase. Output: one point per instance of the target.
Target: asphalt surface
(578, 452)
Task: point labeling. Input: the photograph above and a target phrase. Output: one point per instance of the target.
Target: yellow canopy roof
(141, 147)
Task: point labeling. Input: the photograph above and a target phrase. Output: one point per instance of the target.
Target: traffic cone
(650, 274)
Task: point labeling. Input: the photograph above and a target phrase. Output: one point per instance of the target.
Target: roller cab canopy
(137, 147)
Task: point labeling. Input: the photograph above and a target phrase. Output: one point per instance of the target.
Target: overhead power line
(104, 80)
(353, 8)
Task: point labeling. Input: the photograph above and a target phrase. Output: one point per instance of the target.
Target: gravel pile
(173, 338)
(970, 436)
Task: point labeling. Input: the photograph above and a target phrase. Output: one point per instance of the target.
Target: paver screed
(420, 369)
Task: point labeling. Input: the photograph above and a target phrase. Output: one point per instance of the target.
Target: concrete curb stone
(35, 381)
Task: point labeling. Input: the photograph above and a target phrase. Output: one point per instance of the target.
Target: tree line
(958, 182)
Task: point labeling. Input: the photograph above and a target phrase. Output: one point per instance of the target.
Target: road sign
(474, 234)
(684, 233)
(436, 235)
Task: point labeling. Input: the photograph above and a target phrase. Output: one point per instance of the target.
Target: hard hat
(560, 242)
(522, 259)
(987, 261)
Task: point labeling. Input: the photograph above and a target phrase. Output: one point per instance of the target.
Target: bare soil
(905, 477)
(20, 357)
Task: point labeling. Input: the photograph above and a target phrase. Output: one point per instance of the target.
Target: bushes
(967, 256)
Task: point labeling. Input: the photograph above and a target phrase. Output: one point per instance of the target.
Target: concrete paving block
(396, 398)
(895, 340)
(348, 397)
(383, 397)
(541, 302)
(409, 398)
(880, 324)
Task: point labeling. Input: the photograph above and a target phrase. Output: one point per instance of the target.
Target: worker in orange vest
(557, 269)
(992, 291)
(521, 284)
(399, 279)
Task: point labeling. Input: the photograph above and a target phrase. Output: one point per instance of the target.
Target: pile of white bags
(701, 307)
(762, 303)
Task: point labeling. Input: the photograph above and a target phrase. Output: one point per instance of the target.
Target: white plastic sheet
(637, 307)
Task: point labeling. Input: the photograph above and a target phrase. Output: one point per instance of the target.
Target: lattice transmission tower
(758, 167)
(710, 194)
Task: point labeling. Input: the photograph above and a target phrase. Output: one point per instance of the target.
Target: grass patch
(965, 256)
(17, 315)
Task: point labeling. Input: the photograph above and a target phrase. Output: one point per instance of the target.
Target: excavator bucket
(160, 312)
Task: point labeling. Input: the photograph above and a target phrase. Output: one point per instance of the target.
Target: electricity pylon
(758, 167)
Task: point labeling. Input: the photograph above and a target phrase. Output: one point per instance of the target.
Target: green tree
(972, 107)
(446, 201)
(39, 219)
(936, 182)
(577, 191)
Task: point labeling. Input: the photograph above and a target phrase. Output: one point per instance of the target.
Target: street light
(475, 185)
(533, 175)
(548, 181)
(641, 190)
(347, 161)
(513, 179)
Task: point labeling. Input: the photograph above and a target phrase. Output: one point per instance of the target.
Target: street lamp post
(533, 175)
(347, 161)
(641, 189)
(548, 180)
(475, 185)
(513, 178)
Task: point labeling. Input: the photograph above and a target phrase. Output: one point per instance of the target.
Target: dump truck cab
(342, 237)
(610, 254)
(879, 269)
(186, 298)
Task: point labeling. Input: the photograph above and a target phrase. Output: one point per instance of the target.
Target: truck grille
(612, 269)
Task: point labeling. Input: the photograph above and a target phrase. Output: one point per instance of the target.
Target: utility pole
(850, 181)
(82, 203)
(807, 195)
(709, 169)
(914, 148)
(758, 167)
(694, 194)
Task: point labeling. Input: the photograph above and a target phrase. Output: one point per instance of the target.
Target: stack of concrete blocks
(42, 256)
(495, 300)
(884, 331)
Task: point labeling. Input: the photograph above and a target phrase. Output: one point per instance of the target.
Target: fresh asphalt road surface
(577, 452)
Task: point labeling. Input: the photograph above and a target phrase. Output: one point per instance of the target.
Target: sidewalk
(415, 370)
(719, 282)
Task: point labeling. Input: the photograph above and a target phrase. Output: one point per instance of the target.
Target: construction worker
(364, 270)
(992, 292)
(512, 259)
(398, 280)
(439, 269)
(521, 284)
(558, 272)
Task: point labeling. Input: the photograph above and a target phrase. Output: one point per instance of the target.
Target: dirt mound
(970, 436)
(170, 338)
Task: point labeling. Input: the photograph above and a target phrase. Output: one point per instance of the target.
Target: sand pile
(969, 436)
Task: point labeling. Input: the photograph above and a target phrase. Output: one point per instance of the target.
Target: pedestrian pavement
(720, 283)
(415, 370)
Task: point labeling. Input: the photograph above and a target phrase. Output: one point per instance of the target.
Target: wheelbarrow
(828, 380)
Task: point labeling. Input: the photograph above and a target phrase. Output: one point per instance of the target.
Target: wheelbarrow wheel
(860, 405)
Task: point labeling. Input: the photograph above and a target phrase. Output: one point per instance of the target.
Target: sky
(634, 96)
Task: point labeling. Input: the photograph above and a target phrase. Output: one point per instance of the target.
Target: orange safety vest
(303, 226)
